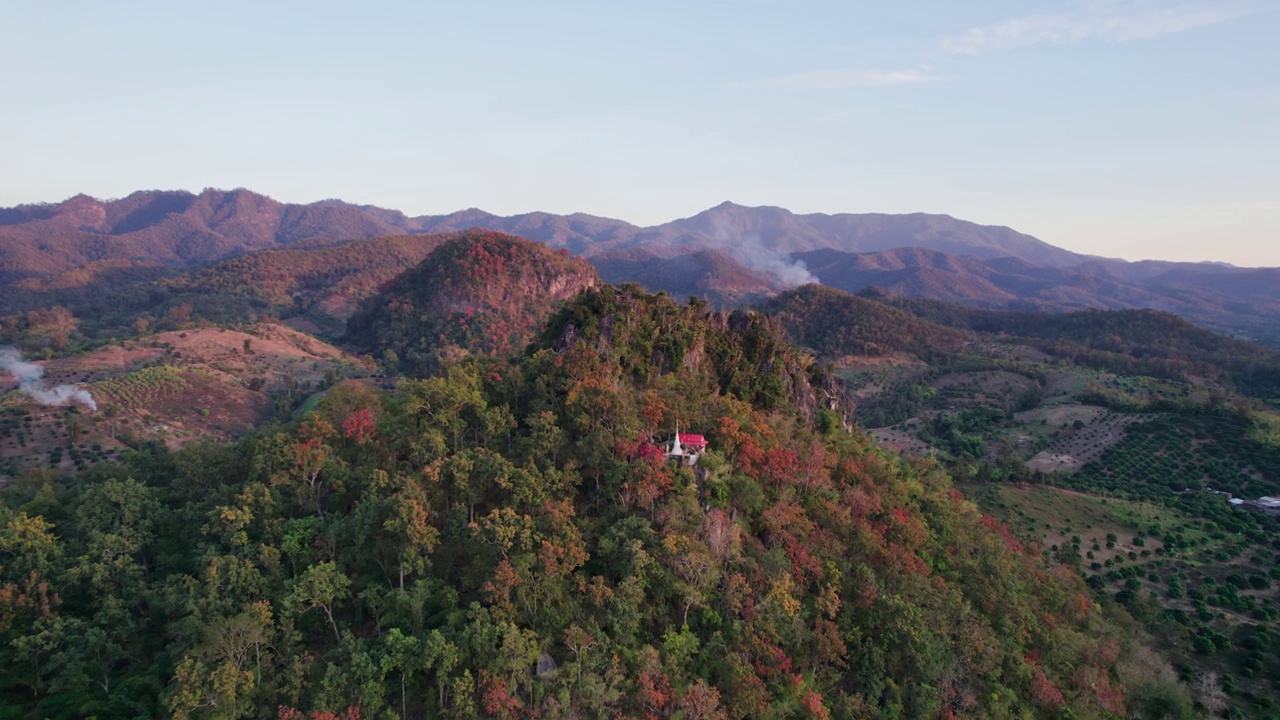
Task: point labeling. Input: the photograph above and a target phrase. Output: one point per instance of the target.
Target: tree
(320, 587)
(403, 654)
(1209, 692)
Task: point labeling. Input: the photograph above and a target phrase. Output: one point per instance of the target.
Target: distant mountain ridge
(730, 254)
(183, 228)
(1238, 300)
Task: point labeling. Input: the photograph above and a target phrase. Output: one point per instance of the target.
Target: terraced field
(141, 387)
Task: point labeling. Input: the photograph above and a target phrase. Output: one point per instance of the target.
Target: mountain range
(730, 254)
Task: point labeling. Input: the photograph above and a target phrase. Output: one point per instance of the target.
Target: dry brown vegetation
(174, 388)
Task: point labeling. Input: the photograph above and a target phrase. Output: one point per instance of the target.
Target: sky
(1123, 128)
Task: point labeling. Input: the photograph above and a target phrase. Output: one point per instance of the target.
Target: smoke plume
(787, 273)
(30, 379)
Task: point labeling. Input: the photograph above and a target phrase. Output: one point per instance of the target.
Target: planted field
(1206, 583)
(1032, 431)
(1211, 449)
(1136, 391)
(1099, 530)
(140, 388)
(999, 388)
(1062, 386)
(871, 376)
(1082, 434)
(903, 437)
(61, 438)
(1061, 416)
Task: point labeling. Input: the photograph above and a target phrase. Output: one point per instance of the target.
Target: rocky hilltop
(481, 292)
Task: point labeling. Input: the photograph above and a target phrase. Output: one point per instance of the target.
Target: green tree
(320, 587)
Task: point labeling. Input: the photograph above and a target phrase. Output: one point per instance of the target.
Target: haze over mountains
(728, 253)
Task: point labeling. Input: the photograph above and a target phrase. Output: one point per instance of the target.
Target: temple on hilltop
(686, 448)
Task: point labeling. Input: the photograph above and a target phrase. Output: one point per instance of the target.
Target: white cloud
(846, 78)
(1113, 21)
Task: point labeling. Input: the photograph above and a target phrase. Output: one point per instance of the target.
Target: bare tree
(1209, 692)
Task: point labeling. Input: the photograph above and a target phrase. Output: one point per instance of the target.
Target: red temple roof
(693, 440)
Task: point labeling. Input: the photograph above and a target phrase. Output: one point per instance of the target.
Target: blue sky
(1125, 128)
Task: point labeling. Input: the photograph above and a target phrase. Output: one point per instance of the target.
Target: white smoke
(30, 379)
(751, 251)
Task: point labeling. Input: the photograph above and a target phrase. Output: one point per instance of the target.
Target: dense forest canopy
(835, 324)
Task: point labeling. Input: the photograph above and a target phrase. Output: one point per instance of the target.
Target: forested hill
(1144, 342)
(324, 282)
(480, 291)
(505, 540)
(835, 324)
